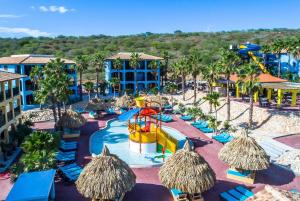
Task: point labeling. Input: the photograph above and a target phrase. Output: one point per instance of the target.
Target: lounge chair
(206, 130)
(79, 110)
(163, 118)
(110, 111)
(295, 191)
(203, 125)
(238, 193)
(167, 106)
(223, 137)
(68, 146)
(178, 195)
(71, 172)
(195, 197)
(186, 117)
(93, 115)
(65, 156)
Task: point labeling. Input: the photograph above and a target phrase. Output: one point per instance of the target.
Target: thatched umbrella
(97, 104)
(187, 171)
(157, 99)
(271, 193)
(124, 101)
(106, 177)
(71, 119)
(243, 152)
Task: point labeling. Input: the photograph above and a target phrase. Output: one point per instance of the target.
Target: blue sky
(122, 17)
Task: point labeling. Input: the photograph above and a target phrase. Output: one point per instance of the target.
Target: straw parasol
(271, 193)
(106, 177)
(187, 171)
(97, 104)
(245, 153)
(124, 101)
(157, 99)
(71, 119)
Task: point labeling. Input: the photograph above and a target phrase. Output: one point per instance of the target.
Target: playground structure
(146, 134)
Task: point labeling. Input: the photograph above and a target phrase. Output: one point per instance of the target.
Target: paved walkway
(291, 140)
(149, 188)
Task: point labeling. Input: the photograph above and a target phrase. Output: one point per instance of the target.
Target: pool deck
(148, 187)
(291, 140)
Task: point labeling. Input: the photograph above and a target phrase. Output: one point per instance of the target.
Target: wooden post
(279, 99)
(294, 97)
(269, 94)
(237, 91)
(255, 96)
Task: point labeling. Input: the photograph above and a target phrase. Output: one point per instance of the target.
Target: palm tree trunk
(59, 110)
(54, 110)
(97, 83)
(89, 95)
(210, 91)
(119, 77)
(228, 99)
(251, 109)
(183, 87)
(195, 90)
(80, 82)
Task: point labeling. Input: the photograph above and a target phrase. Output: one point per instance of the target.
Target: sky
(51, 18)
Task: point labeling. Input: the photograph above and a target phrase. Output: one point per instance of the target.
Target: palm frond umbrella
(156, 100)
(187, 171)
(271, 193)
(124, 101)
(71, 119)
(243, 154)
(106, 177)
(94, 106)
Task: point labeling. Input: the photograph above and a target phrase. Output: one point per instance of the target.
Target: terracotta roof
(30, 59)
(5, 76)
(262, 78)
(271, 193)
(127, 55)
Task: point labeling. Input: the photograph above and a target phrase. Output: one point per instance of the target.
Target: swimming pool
(115, 137)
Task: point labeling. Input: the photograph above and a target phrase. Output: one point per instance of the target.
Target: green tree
(89, 87)
(118, 64)
(164, 66)
(134, 63)
(153, 65)
(113, 83)
(171, 88)
(82, 63)
(248, 79)
(195, 69)
(229, 62)
(180, 68)
(98, 62)
(213, 123)
(213, 100)
(277, 46)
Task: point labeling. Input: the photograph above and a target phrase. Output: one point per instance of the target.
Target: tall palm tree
(165, 66)
(153, 65)
(117, 64)
(195, 69)
(98, 62)
(82, 63)
(171, 88)
(89, 87)
(229, 62)
(180, 68)
(249, 82)
(213, 99)
(277, 46)
(134, 63)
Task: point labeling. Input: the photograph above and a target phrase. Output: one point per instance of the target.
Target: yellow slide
(166, 140)
(262, 66)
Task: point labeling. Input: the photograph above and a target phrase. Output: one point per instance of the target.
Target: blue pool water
(115, 137)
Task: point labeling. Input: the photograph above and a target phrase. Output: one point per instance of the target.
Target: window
(130, 76)
(5, 67)
(18, 69)
(29, 99)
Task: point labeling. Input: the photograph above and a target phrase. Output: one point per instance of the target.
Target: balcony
(16, 91)
(17, 111)
(9, 116)
(2, 120)
(8, 93)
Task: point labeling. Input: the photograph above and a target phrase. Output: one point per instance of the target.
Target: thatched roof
(271, 193)
(105, 177)
(97, 104)
(187, 171)
(71, 119)
(245, 153)
(124, 101)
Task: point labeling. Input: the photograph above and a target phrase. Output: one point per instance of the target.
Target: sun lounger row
(223, 137)
(181, 196)
(65, 156)
(163, 118)
(202, 126)
(186, 117)
(68, 146)
(71, 171)
(238, 193)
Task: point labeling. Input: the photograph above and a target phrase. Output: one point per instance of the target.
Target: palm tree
(82, 63)
(153, 65)
(171, 88)
(213, 99)
(180, 68)
(195, 69)
(134, 63)
(249, 82)
(98, 61)
(114, 82)
(165, 67)
(277, 46)
(229, 62)
(89, 87)
(117, 64)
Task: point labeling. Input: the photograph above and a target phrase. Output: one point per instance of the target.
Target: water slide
(248, 49)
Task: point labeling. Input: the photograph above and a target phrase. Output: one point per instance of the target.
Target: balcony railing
(9, 116)
(16, 91)
(8, 94)
(2, 120)
(17, 111)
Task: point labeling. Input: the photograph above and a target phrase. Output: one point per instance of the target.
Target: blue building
(23, 64)
(146, 77)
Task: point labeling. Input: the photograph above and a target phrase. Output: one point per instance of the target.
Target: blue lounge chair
(93, 114)
(245, 191)
(228, 197)
(71, 172)
(164, 118)
(68, 143)
(68, 147)
(206, 130)
(223, 137)
(203, 125)
(295, 191)
(198, 122)
(65, 156)
(223, 141)
(110, 111)
(178, 195)
(186, 117)
(168, 106)
(239, 193)
(79, 110)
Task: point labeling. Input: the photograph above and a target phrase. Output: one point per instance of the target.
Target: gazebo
(106, 177)
(244, 156)
(70, 121)
(187, 173)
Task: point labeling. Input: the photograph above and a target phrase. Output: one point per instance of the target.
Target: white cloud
(23, 31)
(54, 9)
(9, 16)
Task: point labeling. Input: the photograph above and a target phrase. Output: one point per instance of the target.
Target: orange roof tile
(5, 76)
(127, 55)
(30, 59)
(262, 78)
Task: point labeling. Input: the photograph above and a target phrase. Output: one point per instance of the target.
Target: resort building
(146, 77)
(23, 64)
(10, 105)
